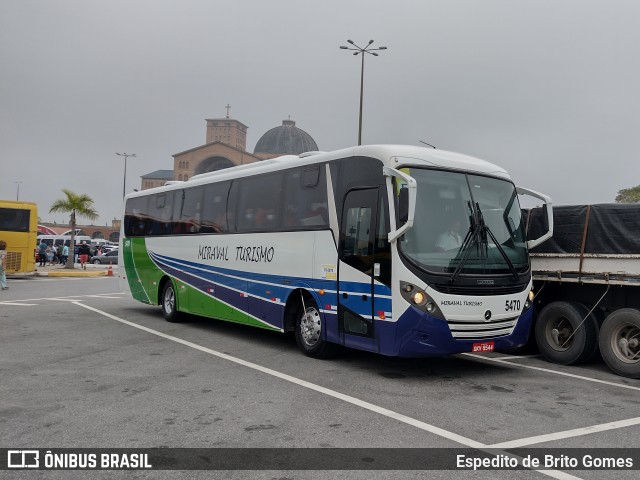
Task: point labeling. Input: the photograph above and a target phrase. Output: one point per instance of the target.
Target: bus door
(357, 268)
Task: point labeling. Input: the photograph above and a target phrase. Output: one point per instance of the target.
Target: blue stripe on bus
(234, 283)
(276, 280)
(235, 299)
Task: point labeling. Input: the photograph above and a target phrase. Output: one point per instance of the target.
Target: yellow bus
(19, 228)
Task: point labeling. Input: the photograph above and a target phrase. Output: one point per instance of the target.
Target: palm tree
(81, 205)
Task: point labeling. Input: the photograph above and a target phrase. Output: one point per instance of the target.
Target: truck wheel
(620, 342)
(309, 332)
(169, 303)
(558, 336)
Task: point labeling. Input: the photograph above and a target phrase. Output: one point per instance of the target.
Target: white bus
(344, 248)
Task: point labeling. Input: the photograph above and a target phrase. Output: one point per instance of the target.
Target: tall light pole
(18, 191)
(361, 51)
(124, 184)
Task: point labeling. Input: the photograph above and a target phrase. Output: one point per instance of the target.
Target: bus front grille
(477, 290)
(482, 329)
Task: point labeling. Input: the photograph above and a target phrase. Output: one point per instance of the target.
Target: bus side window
(214, 208)
(135, 217)
(188, 211)
(160, 213)
(259, 202)
(306, 198)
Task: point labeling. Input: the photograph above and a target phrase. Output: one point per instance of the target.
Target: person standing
(3, 265)
(42, 254)
(65, 255)
(83, 253)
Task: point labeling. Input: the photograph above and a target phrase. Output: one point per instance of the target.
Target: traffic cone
(110, 271)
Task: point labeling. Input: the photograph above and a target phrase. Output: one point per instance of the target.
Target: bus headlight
(529, 301)
(417, 297)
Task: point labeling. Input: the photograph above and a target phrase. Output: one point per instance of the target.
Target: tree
(77, 205)
(629, 195)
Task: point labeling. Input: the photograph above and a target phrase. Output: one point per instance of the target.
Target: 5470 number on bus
(512, 305)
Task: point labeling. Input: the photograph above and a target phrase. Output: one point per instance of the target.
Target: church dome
(285, 140)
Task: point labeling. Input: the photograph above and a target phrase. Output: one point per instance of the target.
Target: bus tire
(558, 337)
(309, 331)
(169, 303)
(620, 342)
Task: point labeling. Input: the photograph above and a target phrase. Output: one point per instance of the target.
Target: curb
(100, 273)
(76, 272)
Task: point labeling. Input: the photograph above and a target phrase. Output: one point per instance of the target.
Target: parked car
(110, 258)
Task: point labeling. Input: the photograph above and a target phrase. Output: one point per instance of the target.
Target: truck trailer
(587, 285)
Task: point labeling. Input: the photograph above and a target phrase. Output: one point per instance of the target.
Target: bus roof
(17, 204)
(396, 156)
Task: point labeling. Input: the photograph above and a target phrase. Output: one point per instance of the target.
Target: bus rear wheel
(169, 303)
(620, 342)
(309, 332)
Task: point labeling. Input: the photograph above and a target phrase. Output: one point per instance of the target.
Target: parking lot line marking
(559, 475)
(555, 372)
(303, 383)
(576, 432)
(514, 357)
(62, 298)
(19, 304)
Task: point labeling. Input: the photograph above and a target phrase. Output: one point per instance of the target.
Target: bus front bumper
(422, 335)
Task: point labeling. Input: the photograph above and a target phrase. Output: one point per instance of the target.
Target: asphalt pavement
(85, 366)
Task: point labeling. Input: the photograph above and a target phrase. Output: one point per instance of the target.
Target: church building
(226, 146)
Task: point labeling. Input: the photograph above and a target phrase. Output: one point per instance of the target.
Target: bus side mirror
(548, 209)
(406, 202)
(403, 205)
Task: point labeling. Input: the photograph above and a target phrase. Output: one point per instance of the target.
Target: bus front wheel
(309, 332)
(169, 303)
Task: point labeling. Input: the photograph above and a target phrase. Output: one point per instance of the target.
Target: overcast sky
(548, 89)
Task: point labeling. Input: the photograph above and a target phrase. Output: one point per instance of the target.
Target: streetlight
(125, 155)
(361, 51)
(18, 192)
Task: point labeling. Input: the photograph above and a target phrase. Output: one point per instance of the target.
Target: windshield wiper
(471, 239)
(488, 231)
(477, 235)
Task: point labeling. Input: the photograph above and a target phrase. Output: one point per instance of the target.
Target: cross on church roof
(228, 107)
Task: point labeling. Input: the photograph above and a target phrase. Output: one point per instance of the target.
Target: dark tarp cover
(613, 228)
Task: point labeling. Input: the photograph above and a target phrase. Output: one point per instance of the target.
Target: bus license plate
(482, 347)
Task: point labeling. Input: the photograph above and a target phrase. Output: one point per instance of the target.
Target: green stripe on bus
(143, 275)
(140, 270)
(200, 303)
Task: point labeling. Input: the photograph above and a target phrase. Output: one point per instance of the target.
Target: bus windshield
(465, 224)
